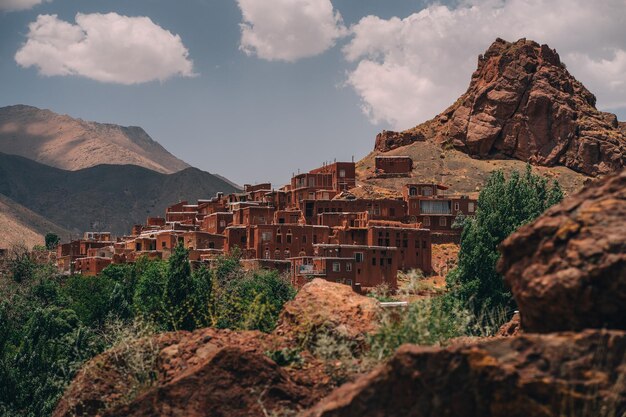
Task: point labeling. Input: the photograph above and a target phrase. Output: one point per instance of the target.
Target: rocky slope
(523, 103)
(64, 142)
(104, 197)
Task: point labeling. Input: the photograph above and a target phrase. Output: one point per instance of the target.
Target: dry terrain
(64, 142)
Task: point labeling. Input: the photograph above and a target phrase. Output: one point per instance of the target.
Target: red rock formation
(323, 304)
(565, 374)
(567, 269)
(389, 139)
(523, 103)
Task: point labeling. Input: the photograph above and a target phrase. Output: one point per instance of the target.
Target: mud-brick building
(413, 244)
(91, 266)
(217, 222)
(393, 165)
(430, 206)
(361, 266)
(377, 209)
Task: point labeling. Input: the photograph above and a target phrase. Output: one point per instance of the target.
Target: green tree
(179, 290)
(149, 296)
(503, 206)
(52, 241)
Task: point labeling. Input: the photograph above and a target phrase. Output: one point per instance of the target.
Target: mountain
(67, 143)
(522, 103)
(20, 225)
(103, 197)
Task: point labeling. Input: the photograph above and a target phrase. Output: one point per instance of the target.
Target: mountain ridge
(101, 197)
(69, 143)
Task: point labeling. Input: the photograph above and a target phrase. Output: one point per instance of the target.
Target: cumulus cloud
(14, 5)
(287, 30)
(104, 47)
(407, 70)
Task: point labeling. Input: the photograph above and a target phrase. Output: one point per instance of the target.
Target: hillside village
(313, 227)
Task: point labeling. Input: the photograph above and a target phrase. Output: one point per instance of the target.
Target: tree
(503, 206)
(179, 289)
(52, 241)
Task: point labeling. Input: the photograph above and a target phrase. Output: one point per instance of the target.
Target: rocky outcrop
(211, 372)
(566, 374)
(523, 103)
(388, 139)
(567, 270)
(511, 327)
(322, 305)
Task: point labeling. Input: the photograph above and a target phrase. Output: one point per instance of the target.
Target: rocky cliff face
(523, 103)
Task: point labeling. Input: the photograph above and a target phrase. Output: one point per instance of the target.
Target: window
(392, 211)
(303, 238)
(456, 206)
(342, 173)
(222, 223)
(211, 245)
(267, 254)
(435, 207)
(336, 267)
(413, 191)
(289, 236)
(427, 191)
(388, 261)
(426, 221)
(373, 261)
(358, 257)
(348, 267)
(163, 244)
(470, 207)
(266, 236)
(349, 282)
(382, 261)
(442, 221)
(279, 238)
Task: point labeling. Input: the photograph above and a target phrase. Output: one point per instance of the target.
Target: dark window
(373, 261)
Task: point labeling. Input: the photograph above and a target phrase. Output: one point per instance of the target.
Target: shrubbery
(51, 324)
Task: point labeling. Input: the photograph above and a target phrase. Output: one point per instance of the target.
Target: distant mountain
(522, 103)
(104, 197)
(19, 225)
(67, 143)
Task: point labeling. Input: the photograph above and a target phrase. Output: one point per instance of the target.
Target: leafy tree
(148, 299)
(89, 298)
(503, 206)
(179, 290)
(52, 241)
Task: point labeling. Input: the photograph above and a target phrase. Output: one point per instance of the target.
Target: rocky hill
(104, 197)
(67, 143)
(20, 225)
(522, 103)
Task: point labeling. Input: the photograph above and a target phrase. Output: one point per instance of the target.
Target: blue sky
(284, 97)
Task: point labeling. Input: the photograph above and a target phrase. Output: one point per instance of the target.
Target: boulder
(523, 103)
(567, 269)
(325, 305)
(203, 373)
(564, 374)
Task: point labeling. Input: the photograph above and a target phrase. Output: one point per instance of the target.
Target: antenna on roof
(352, 158)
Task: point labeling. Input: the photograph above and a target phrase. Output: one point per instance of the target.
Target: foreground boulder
(567, 269)
(323, 305)
(523, 103)
(554, 375)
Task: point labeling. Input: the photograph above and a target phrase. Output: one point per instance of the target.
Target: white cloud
(408, 70)
(287, 30)
(14, 5)
(105, 47)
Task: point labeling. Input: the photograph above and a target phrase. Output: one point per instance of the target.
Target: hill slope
(522, 103)
(105, 197)
(64, 142)
(20, 225)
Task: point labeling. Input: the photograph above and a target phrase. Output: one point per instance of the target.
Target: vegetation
(51, 324)
(52, 241)
(503, 206)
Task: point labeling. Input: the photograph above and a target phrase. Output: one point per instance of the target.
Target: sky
(256, 90)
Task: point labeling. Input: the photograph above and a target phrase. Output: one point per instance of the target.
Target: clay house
(283, 241)
(413, 244)
(430, 206)
(288, 217)
(377, 209)
(393, 165)
(253, 214)
(217, 222)
(360, 266)
(91, 266)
